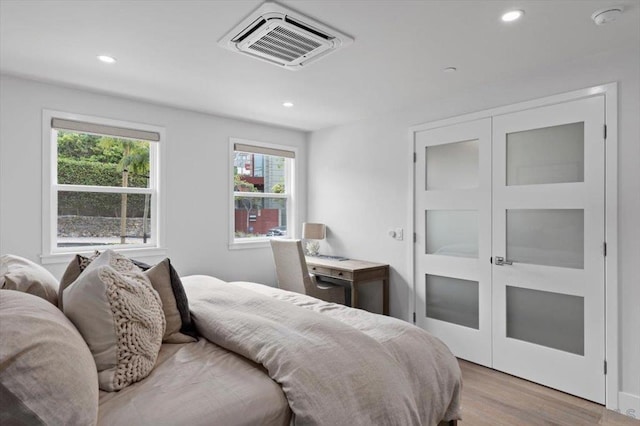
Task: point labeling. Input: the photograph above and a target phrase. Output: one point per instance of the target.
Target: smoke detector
(283, 37)
(606, 15)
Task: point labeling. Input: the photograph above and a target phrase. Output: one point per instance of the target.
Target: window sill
(252, 244)
(139, 252)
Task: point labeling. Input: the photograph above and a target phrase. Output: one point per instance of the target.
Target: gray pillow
(24, 275)
(161, 280)
(120, 316)
(47, 373)
(78, 264)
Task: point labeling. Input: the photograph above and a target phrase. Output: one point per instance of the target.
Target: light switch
(396, 233)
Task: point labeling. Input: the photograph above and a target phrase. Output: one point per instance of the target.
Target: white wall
(360, 180)
(195, 178)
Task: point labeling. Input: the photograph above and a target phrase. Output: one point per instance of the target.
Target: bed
(264, 356)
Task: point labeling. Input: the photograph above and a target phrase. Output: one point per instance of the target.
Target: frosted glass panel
(548, 155)
(452, 165)
(452, 232)
(549, 319)
(452, 300)
(546, 237)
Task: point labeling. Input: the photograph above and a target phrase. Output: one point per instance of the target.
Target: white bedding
(336, 365)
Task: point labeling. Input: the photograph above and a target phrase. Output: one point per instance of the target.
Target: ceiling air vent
(283, 37)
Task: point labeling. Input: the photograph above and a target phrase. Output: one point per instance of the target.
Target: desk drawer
(319, 270)
(344, 275)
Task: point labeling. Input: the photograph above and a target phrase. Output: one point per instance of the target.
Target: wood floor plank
(493, 398)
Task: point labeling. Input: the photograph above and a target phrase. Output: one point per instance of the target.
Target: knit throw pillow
(164, 279)
(119, 315)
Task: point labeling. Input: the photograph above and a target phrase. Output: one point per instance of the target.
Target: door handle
(501, 261)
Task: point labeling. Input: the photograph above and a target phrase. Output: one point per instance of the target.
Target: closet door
(548, 235)
(453, 237)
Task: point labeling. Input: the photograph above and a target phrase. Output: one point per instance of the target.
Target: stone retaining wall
(92, 226)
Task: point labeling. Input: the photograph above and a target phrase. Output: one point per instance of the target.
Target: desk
(355, 272)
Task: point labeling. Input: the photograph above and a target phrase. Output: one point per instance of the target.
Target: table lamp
(312, 233)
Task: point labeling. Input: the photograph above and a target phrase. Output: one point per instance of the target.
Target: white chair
(293, 274)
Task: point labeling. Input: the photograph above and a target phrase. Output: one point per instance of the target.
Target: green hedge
(78, 172)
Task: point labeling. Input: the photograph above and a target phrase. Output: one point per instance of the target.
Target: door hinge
(604, 248)
(415, 157)
(415, 237)
(414, 317)
(491, 260)
(605, 365)
(605, 131)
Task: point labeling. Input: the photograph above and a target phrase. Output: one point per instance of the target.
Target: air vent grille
(283, 37)
(284, 44)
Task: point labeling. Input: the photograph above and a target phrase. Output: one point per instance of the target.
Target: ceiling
(167, 51)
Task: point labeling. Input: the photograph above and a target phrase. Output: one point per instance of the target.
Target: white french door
(548, 225)
(509, 262)
(453, 237)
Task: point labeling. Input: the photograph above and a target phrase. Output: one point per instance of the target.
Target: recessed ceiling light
(287, 104)
(512, 15)
(450, 69)
(606, 15)
(107, 59)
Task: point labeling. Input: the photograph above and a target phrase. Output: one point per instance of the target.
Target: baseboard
(629, 405)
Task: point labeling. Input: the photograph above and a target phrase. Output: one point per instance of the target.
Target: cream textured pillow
(120, 316)
(24, 275)
(47, 373)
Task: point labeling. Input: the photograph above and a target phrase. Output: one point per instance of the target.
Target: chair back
(291, 266)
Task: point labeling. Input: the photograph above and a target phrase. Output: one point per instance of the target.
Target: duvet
(335, 365)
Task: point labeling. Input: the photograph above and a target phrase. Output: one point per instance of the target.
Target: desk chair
(293, 274)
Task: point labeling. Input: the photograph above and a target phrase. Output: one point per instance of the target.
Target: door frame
(610, 92)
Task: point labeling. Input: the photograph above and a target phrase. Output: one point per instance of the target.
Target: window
(101, 186)
(262, 192)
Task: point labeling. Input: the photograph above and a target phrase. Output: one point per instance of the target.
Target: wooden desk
(355, 272)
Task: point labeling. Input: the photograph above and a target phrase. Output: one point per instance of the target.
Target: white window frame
(51, 253)
(291, 179)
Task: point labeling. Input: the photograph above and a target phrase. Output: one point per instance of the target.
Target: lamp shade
(313, 231)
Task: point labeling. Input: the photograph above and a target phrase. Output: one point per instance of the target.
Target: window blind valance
(101, 129)
(263, 150)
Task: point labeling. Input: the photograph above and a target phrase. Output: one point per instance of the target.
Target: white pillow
(18, 273)
(119, 315)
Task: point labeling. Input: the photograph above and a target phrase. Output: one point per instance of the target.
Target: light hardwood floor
(493, 398)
